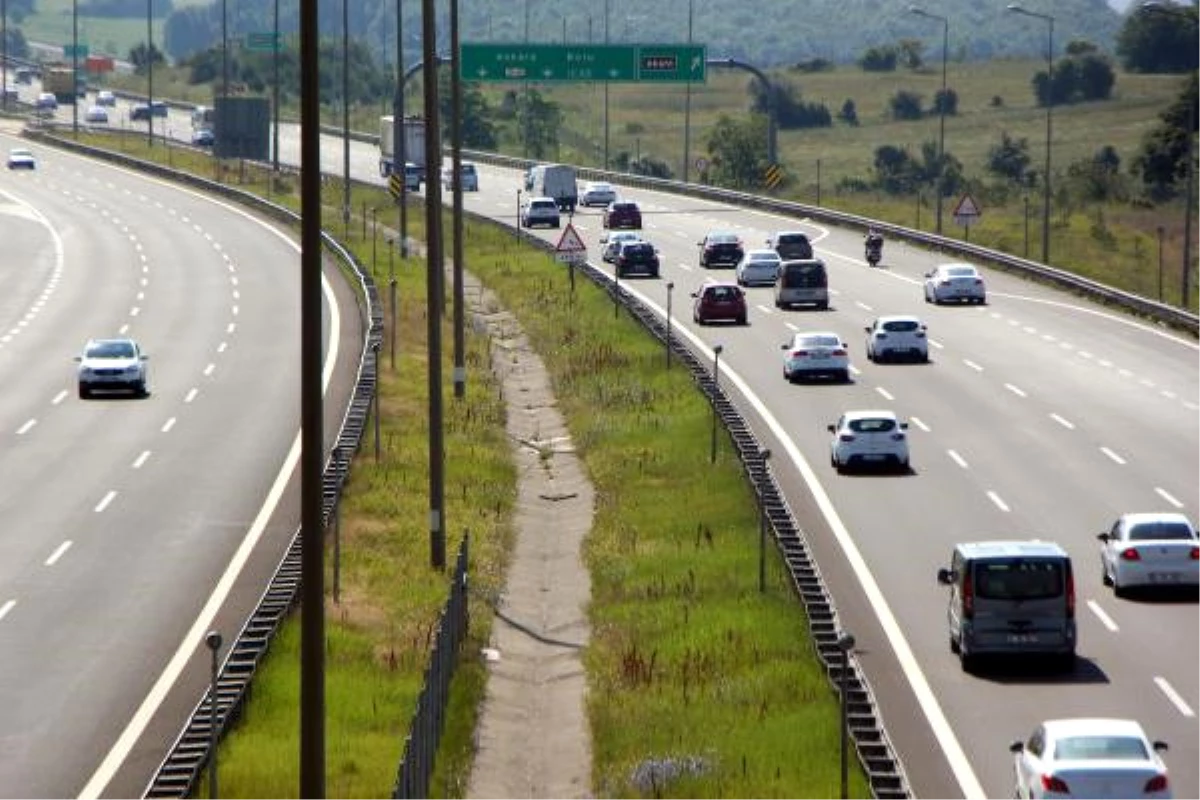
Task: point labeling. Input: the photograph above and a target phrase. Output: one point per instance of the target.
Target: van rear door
(1022, 603)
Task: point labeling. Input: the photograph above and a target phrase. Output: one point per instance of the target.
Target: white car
(814, 353)
(598, 193)
(105, 97)
(1090, 758)
(21, 158)
(46, 101)
(959, 282)
(758, 268)
(112, 364)
(539, 211)
(868, 438)
(897, 336)
(96, 115)
(1150, 549)
(468, 173)
(610, 243)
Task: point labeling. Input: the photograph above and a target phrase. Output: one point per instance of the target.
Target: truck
(59, 80)
(556, 181)
(414, 148)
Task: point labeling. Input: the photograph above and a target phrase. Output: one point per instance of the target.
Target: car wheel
(823, 306)
(844, 376)
(1104, 577)
(968, 662)
(142, 390)
(925, 357)
(1066, 662)
(741, 320)
(84, 392)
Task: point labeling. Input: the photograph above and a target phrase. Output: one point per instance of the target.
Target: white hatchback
(815, 353)
(758, 268)
(868, 438)
(610, 243)
(959, 282)
(1150, 550)
(897, 336)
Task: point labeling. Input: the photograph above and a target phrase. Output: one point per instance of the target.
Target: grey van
(791, 245)
(1010, 597)
(802, 282)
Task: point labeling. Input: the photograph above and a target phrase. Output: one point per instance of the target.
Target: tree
(849, 113)
(190, 31)
(906, 105)
(17, 46)
(139, 56)
(1162, 161)
(18, 10)
(738, 150)
(1010, 159)
(540, 121)
(1150, 42)
(790, 110)
(478, 129)
(879, 59)
(945, 101)
(912, 53)
(1084, 74)
(895, 170)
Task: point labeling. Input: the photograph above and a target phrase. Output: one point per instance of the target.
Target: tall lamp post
(213, 641)
(1150, 6)
(716, 377)
(1018, 9)
(687, 108)
(920, 12)
(845, 644)
(149, 75)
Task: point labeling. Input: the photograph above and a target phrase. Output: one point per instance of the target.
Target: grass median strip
(699, 685)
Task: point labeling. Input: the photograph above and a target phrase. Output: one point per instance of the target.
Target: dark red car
(622, 214)
(719, 302)
(719, 248)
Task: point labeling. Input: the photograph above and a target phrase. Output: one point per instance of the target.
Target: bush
(849, 113)
(879, 59)
(906, 105)
(813, 65)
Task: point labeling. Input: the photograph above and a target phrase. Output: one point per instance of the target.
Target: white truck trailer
(414, 147)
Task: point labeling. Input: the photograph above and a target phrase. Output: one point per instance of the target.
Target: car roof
(711, 284)
(778, 234)
(799, 334)
(761, 255)
(958, 265)
(1141, 517)
(900, 318)
(542, 200)
(1083, 726)
(1009, 548)
(871, 413)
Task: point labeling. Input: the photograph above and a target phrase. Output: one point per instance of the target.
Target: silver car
(961, 283)
(598, 193)
(112, 364)
(816, 353)
(610, 243)
(758, 268)
(1150, 550)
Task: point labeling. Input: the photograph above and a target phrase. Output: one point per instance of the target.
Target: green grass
(688, 659)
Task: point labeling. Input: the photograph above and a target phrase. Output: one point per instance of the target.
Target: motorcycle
(874, 250)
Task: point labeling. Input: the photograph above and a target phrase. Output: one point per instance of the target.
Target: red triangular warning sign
(570, 242)
(967, 207)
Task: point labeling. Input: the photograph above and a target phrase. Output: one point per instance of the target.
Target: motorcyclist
(874, 242)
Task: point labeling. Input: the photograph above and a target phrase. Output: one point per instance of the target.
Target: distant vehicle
(558, 182)
(1090, 757)
(21, 158)
(143, 111)
(897, 336)
(112, 364)
(719, 302)
(719, 248)
(25, 75)
(106, 98)
(469, 175)
(811, 354)
(204, 118)
(46, 101)
(758, 268)
(791, 245)
(610, 243)
(598, 193)
(959, 282)
(539, 211)
(802, 282)
(413, 141)
(868, 438)
(636, 257)
(622, 214)
(203, 137)
(96, 115)
(1150, 550)
(60, 81)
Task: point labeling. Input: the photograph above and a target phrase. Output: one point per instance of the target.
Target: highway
(1041, 416)
(128, 520)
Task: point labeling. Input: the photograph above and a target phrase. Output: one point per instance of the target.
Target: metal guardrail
(425, 729)
(177, 774)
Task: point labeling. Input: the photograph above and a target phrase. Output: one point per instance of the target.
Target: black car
(718, 249)
(637, 257)
(203, 137)
(142, 111)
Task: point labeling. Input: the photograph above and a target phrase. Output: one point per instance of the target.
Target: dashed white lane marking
(937, 344)
(7, 607)
(1112, 455)
(140, 460)
(57, 554)
(917, 421)
(995, 498)
(1066, 423)
(26, 428)
(58, 398)
(1165, 495)
(1104, 618)
(863, 305)
(972, 365)
(231, 327)
(191, 395)
(221, 347)
(124, 329)
(108, 498)
(1015, 390)
(1173, 696)
(209, 370)
(962, 462)
(166, 428)
(133, 312)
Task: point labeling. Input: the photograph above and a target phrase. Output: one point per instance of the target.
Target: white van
(557, 181)
(1010, 597)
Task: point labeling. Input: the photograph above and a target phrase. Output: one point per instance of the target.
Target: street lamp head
(764, 454)
(670, 285)
(212, 640)
(845, 642)
(717, 349)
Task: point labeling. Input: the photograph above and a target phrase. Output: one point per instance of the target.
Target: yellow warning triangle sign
(570, 242)
(967, 207)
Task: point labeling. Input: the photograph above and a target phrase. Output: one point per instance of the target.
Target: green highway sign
(80, 50)
(268, 41)
(619, 63)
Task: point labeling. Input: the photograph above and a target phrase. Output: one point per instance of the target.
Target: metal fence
(425, 730)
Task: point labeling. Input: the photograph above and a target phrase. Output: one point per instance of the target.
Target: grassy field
(689, 662)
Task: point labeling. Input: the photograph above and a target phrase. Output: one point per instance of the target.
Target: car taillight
(968, 597)
(1130, 554)
(1195, 554)
(799, 353)
(1156, 784)
(1052, 783)
(979, 281)
(839, 352)
(1071, 595)
(897, 437)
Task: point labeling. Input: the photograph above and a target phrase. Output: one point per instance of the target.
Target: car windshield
(873, 425)
(723, 238)
(1163, 530)
(961, 272)
(23, 153)
(468, 169)
(1092, 748)
(721, 294)
(638, 250)
(110, 350)
(1019, 578)
(900, 326)
(819, 341)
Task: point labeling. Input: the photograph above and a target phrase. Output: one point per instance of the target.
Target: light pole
(224, 48)
(845, 644)
(1017, 8)
(4, 54)
(149, 75)
(346, 112)
(1160, 230)
(670, 289)
(1027, 225)
(275, 94)
(716, 377)
(941, 107)
(765, 456)
(687, 108)
(606, 90)
(74, 66)
(213, 641)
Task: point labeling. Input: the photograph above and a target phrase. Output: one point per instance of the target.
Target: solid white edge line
(191, 641)
(951, 748)
(1173, 696)
(1104, 618)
